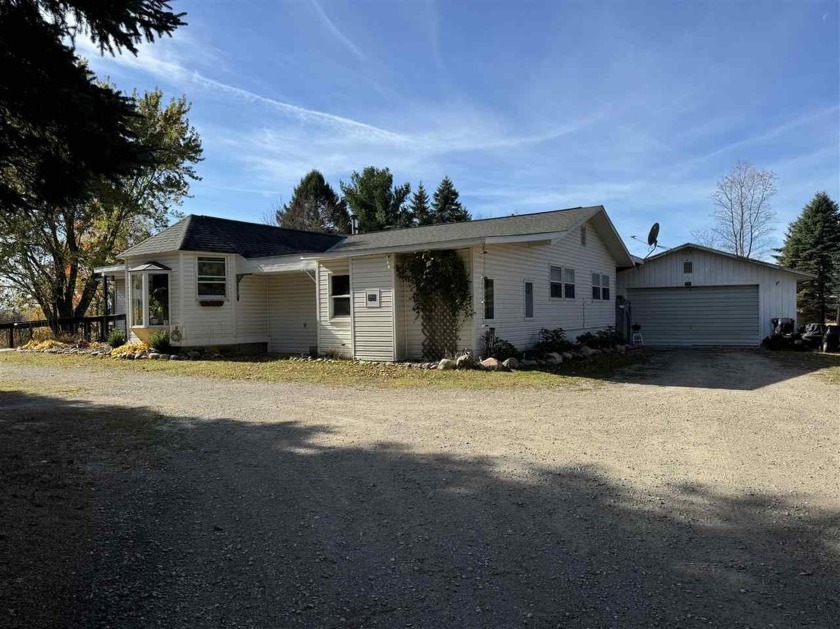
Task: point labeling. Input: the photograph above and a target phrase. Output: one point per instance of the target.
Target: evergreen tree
(446, 208)
(61, 131)
(315, 206)
(379, 204)
(812, 244)
(419, 206)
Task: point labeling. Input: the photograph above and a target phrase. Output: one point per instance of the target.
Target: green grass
(578, 374)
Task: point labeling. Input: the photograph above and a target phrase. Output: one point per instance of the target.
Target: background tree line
(373, 197)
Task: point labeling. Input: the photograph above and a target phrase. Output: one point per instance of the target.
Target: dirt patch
(699, 489)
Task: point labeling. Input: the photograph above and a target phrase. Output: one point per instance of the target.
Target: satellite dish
(653, 235)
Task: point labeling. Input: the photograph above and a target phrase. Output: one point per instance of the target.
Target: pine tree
(379, 204)
(812, 244)
(62, 132)
(445, 207)
(315, 206)
(419, 206)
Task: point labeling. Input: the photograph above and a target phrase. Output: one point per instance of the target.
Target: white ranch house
(222, 283)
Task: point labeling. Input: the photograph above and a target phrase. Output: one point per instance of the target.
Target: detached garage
(694, 295)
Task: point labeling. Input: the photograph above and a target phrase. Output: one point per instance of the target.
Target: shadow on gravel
(738, 369)
(117, 516)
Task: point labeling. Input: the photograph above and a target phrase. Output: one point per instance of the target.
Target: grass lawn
(582, 373)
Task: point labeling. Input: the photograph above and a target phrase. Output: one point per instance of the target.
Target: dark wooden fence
(91, 328)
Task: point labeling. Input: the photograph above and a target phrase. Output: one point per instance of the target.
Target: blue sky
(527, 106)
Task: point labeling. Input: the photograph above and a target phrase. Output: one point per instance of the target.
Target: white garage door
(697, 315)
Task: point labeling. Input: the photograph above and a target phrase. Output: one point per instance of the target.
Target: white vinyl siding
(292, 313)
(251, 309)
(334, 335)
(776, 288)
(511, 265)
(373, 327)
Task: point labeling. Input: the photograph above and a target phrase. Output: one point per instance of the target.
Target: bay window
(149, 300)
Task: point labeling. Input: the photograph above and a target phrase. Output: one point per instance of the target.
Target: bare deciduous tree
(743, 217)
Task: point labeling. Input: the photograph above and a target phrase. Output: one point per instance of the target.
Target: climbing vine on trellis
(440, 289)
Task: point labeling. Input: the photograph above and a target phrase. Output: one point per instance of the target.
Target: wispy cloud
(166, 65)
(337, 32)
(769, 134)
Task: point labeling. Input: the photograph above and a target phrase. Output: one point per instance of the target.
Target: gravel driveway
(698, 490)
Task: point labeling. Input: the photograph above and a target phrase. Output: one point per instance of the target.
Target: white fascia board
(451, 244)
(278, 264)
(435, 246)
(550, 237)
(113, 268)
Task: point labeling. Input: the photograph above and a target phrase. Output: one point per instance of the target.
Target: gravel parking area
(699, 489)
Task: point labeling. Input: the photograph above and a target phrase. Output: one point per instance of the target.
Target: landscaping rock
(586, 352)
(446, 363)
(511, 364)
(154, 356)
(529, 363)
(491, 364)
(553, 358)
(465, 361)
(194, 355)
(567, 355)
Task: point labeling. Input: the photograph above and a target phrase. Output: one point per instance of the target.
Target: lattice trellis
(440, 330)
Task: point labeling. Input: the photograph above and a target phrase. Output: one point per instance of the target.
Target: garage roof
(800, 275)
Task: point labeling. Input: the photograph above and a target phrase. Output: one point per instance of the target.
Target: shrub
(130, 348)
(553, 341)
(159, 341)
(602, 338)
(41, 346)
(116, 338)
(497, 348)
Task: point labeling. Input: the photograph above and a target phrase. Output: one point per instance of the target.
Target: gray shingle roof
(221, 235)
(253, 240)
(520, 225)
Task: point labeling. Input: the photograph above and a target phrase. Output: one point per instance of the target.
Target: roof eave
(463, 243)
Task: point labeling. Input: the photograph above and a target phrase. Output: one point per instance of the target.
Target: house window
(688, 267)
(340, 295)
(149, 299)
(562, 283)
(137, 299)
(529, 300)
(600, 286)
(212, 277)
(583, 236)
(489, 299)
(158, 299)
